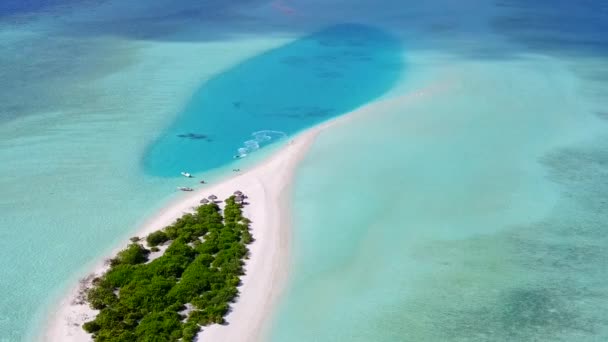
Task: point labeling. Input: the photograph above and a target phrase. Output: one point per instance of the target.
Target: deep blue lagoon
(276, 94)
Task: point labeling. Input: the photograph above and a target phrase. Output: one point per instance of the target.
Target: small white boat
(186, 174)
(183, 188)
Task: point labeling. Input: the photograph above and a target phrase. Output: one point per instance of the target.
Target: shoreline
(268, 186)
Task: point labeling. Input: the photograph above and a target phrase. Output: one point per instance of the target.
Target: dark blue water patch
(194, 136)
(276, 94)
(558, 26)
(10, 7)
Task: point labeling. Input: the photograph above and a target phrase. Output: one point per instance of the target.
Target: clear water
(475, 211)
(276, 94)
(96, 130)
(461, 231)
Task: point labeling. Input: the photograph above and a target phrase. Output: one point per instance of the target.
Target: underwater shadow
(572, 28)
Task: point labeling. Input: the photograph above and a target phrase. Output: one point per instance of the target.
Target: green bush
(101, 296)
(189, 331)
(159, 326)
(247, 237)
(132, 255)
(152, 295)
(157, 238)
(91, 327)
(119, 275)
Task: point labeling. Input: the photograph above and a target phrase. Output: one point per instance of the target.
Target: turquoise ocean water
(474, 211)
(276, 94)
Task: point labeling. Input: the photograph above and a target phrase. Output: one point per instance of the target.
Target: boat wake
(260, 139)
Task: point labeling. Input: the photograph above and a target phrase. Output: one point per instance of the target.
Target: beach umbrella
(212, 197)
(204, 201)
(238, 193)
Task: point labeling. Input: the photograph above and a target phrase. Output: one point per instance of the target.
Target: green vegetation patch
(145, 301)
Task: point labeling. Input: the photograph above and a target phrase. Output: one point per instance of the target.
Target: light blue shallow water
(474, 211)
(112, 122)
(469, 227)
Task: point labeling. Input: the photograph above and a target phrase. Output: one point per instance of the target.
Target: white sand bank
(267, 186)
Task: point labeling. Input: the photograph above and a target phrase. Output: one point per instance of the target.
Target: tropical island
(267, 186)
(148, 295)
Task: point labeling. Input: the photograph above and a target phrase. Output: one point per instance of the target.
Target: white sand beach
(267, 186)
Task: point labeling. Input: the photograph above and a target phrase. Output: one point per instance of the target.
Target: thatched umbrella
(238, 193)
(212, 197)
(204, 201)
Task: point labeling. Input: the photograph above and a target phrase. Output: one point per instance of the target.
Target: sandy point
(267, 186)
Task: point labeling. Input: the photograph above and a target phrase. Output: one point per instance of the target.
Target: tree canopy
(145, 301)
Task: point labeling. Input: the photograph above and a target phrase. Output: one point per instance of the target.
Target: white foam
(260, 139)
